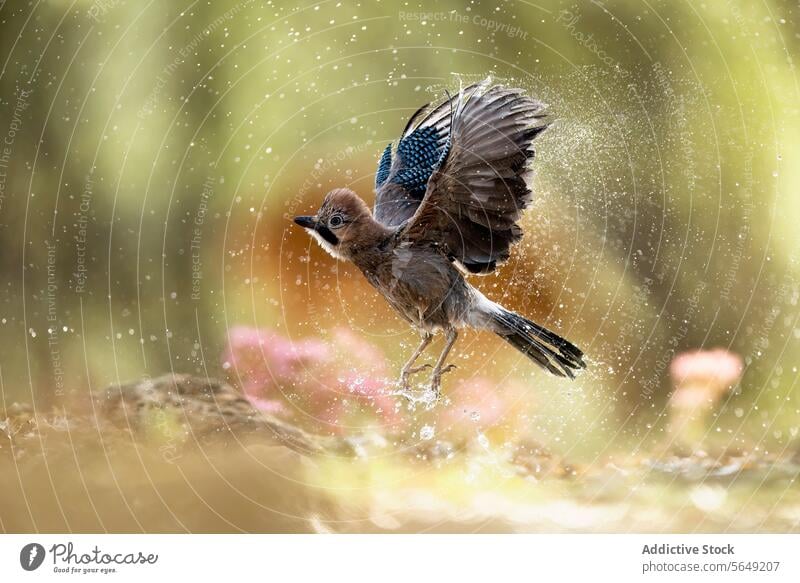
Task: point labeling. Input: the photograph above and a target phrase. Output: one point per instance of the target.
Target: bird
(448, 201)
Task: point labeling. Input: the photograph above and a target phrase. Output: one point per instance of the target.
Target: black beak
(306, 222)
(323, 231)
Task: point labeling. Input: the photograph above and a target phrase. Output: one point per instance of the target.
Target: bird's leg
(438, 371)
(409, 368)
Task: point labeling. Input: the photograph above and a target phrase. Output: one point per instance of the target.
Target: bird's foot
(436, 381)
(406, 374)
(433, 394)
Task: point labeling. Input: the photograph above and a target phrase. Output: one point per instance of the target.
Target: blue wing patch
(420, 153)
(383, 166)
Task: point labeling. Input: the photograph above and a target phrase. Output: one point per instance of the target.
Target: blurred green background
(152, 152)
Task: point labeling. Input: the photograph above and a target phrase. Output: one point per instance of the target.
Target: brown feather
(475, 199)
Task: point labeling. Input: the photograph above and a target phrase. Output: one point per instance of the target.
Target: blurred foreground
(181, 453)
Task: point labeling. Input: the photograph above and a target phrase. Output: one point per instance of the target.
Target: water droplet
(427, 432)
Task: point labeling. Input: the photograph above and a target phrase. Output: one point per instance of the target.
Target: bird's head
(341, 224)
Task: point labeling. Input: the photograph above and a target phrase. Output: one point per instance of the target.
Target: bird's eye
(336, 221)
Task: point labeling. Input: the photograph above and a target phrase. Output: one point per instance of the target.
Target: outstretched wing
(403, 175)
(479, 189)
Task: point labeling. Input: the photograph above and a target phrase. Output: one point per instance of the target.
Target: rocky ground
(180, 453)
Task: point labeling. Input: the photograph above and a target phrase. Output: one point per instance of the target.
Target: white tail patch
(480, 316)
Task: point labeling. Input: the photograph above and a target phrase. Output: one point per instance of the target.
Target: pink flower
(292, 357)
(476, 400)
(700, 378)
(262, 359)
(478, 405)
(375, 393)
(718, 366)
(356, 401)
(359, 353)
(343, 384)
(703, 376)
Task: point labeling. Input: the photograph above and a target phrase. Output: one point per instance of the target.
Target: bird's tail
(545, 348)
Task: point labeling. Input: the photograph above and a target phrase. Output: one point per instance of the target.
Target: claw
(417, 369)
(404, 376)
